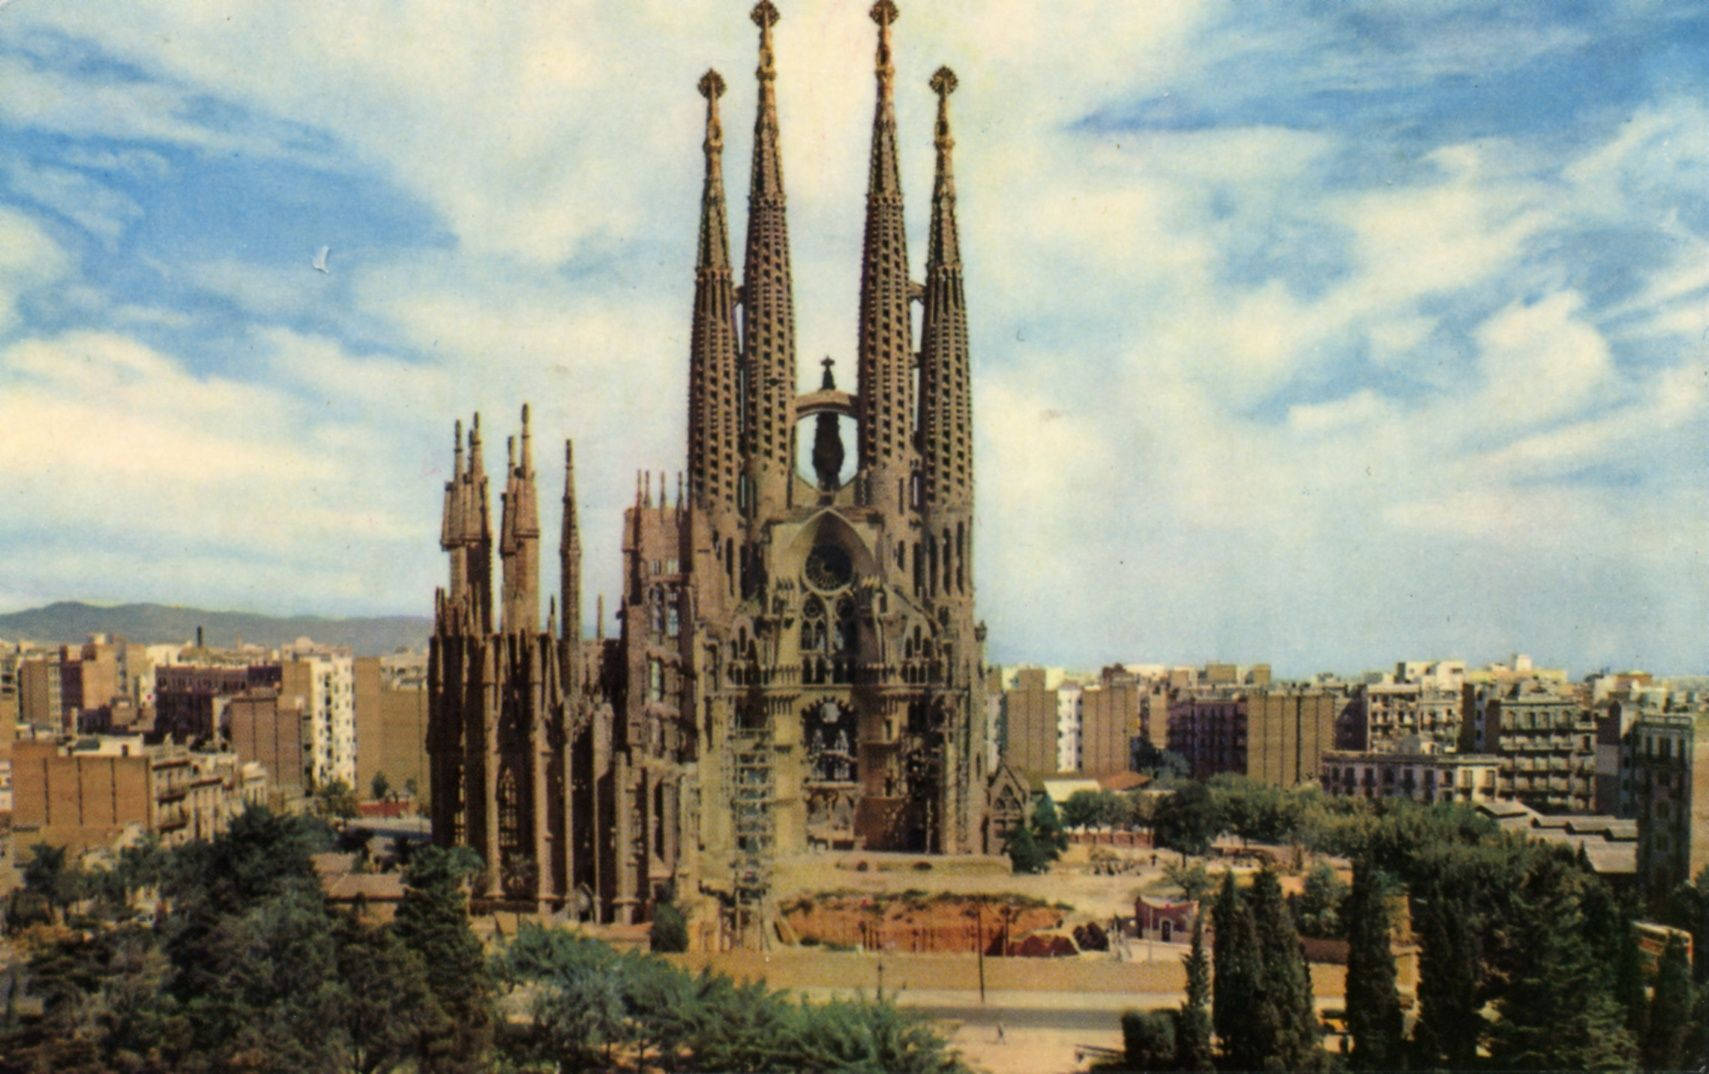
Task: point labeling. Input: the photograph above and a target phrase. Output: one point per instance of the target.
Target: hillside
(71, 621)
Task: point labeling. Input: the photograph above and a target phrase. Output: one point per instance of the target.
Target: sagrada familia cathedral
(798, 667)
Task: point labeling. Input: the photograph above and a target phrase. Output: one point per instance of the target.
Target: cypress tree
(1237, 992)
(1285, 980)
(1670, 1011)
(1193, 1027)
(1373, 1005)
(1629, 984)
(1450, 1019)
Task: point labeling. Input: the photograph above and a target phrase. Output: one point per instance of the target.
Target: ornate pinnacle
(943, 84)
(712, 88)
(765, 17)
(884, 13)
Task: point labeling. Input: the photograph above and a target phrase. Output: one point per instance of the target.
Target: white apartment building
(327, 684)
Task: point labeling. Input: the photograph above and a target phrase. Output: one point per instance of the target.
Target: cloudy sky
(1325, 334)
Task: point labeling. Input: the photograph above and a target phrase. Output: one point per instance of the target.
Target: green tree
(1317, 909)
(1193, 1024)
(1629, 989)
(1687, 907)
(1148, 1040)
(669, 931)
(48, 874)
(385, 1003)
(1237, 986)
(1047, 827)
(1096, 809)
(1669, 1029)
(381, 786)
(1033, 846)
(1026, 855)
(1285, 981)
(855, 1036)
(432, 921)
(1557, 1011)
(336, 800)
(268, 991)
(1187, 820)
(1373, 1005)
(1195, 883)
(1450, 1019)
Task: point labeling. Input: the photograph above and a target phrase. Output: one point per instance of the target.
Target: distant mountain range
(72, 621)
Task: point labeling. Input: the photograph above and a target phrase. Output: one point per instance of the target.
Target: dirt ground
(1036, 1051)
(1092, 897)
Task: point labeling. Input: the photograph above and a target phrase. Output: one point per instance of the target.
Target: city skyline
(1326, 341)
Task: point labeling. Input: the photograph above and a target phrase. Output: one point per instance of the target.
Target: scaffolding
(752, 795)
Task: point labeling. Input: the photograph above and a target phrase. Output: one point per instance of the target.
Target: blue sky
(1319, 333)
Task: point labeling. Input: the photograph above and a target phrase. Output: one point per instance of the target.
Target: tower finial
(828, 382)
(884, 13)
(527, 444)
(712, 87)
(765, 16)
(943, 84)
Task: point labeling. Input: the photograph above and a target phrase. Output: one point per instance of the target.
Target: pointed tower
(478, 535)
(451, 536)
(714, 461)
(885, 346)
(946, 408)
(519, 540)
(768, 304)
(570, 555)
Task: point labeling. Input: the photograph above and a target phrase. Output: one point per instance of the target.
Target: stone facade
(798, 665)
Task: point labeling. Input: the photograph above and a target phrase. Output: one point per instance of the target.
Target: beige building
(96, 791)
(325, 682)
(1387, 713)
(1418, 769)
(391, 739)
(189, 698)
(266, 729)
(1110, 719)
(1546, 739)
(39, 700)
(1667, 782)
(1276, 735)
(1027, 724)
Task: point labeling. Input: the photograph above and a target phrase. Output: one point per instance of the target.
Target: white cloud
(29, 258)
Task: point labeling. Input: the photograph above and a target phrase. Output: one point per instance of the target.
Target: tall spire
(886, 332)
(451, 534)
(570, 553)
(768, 303)
(714, 459)
(946, 408)
(478, 534)
(519, 538)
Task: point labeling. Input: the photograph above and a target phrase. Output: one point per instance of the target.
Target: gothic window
(829, 568)
(673, 620)
(509, 811)
(844, 641)
(813, 634)
(655, 680)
